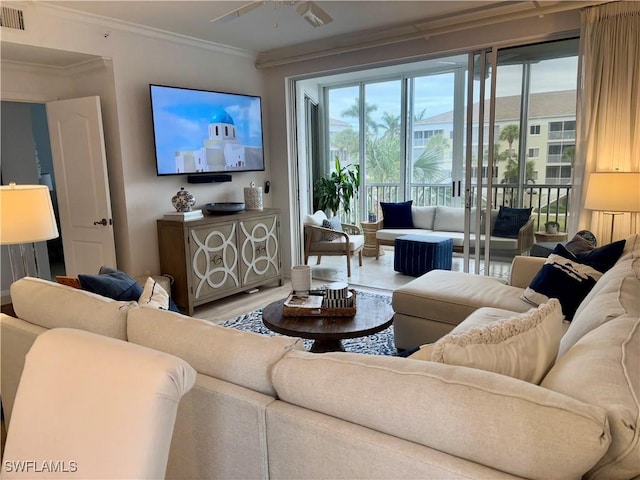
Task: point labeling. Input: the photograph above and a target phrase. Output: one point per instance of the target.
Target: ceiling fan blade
(313, 14)
(238, 12)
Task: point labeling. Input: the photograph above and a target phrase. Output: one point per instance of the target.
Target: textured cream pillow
(424, 353)
(524, 346)
(154, 296)
(316, 219)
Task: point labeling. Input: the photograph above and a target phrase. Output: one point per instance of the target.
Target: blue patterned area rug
(380, 343)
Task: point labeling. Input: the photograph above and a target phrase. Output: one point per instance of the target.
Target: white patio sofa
(449, 222)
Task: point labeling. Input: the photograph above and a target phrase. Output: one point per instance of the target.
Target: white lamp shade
(613, 192)
(26, 214)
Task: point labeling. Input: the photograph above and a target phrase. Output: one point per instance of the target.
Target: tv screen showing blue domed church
(199, 131)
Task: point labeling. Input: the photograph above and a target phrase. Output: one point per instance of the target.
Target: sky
(435, 92)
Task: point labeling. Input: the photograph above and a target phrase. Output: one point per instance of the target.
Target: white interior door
(80, 167)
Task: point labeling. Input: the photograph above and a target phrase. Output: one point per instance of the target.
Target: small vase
(551, 228)
(183, 201)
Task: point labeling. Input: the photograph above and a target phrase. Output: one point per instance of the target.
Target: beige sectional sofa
(448, 222)
(264, 408)
(430, 306)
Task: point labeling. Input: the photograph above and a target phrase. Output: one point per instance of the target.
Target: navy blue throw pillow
(172, 306)
(397, 215)
(604, 257)
(113, 284)
(564, 277)
(509, 221)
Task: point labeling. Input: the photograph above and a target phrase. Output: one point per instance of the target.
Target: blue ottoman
(418, 254)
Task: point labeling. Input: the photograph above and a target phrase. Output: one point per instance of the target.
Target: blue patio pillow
(509, 221)
(397, 215)
(112, 283)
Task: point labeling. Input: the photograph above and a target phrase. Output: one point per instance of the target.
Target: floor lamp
(26, 217)
(613, 193)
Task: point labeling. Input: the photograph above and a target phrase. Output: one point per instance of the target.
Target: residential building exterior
(549, 142)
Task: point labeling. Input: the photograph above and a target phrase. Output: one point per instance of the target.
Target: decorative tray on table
(315, 305)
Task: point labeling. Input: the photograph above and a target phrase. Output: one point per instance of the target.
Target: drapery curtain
(608, 116)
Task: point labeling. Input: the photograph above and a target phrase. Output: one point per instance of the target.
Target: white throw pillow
(524, 346)
(316, 219)
(154, 296)
(423, 217)
(451, 219)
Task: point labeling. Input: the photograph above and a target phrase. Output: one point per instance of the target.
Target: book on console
(192, 215)
(304, 301)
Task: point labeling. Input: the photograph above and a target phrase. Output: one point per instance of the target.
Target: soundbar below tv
(205, 178)
(199, 132)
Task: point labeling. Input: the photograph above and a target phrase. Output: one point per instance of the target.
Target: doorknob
(101, 222)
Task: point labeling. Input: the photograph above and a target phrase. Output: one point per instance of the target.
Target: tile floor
(379, 274)
(374, 275)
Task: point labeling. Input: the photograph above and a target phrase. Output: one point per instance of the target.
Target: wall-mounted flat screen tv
(198, 131)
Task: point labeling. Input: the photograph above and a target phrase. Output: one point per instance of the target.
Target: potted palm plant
(336, 189)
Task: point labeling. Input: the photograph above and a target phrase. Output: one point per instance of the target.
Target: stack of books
(184, 216)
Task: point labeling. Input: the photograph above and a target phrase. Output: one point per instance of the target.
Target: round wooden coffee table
(372, 316)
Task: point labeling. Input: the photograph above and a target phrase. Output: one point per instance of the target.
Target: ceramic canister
(301, 278)
(337, 290)
(253, 197)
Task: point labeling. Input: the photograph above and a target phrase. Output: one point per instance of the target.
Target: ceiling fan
(308, 10)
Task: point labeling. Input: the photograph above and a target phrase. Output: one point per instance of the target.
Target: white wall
(138, 196)
(134, 60)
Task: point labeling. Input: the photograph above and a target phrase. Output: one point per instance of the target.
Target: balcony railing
(562, 135)
(558, 158)
(550, 202)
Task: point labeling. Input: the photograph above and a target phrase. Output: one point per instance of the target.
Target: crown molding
(35, 68)
(86, 66)
(110, 24)
(504, 12)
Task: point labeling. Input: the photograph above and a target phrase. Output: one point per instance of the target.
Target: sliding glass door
(436, 120)
(478, 131)
(523, 155)
(406, 132)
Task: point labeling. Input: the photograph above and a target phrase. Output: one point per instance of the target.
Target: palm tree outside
(382, 173)
(510, 133)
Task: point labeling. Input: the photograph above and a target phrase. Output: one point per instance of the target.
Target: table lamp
(26, 217)
(613, 193)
